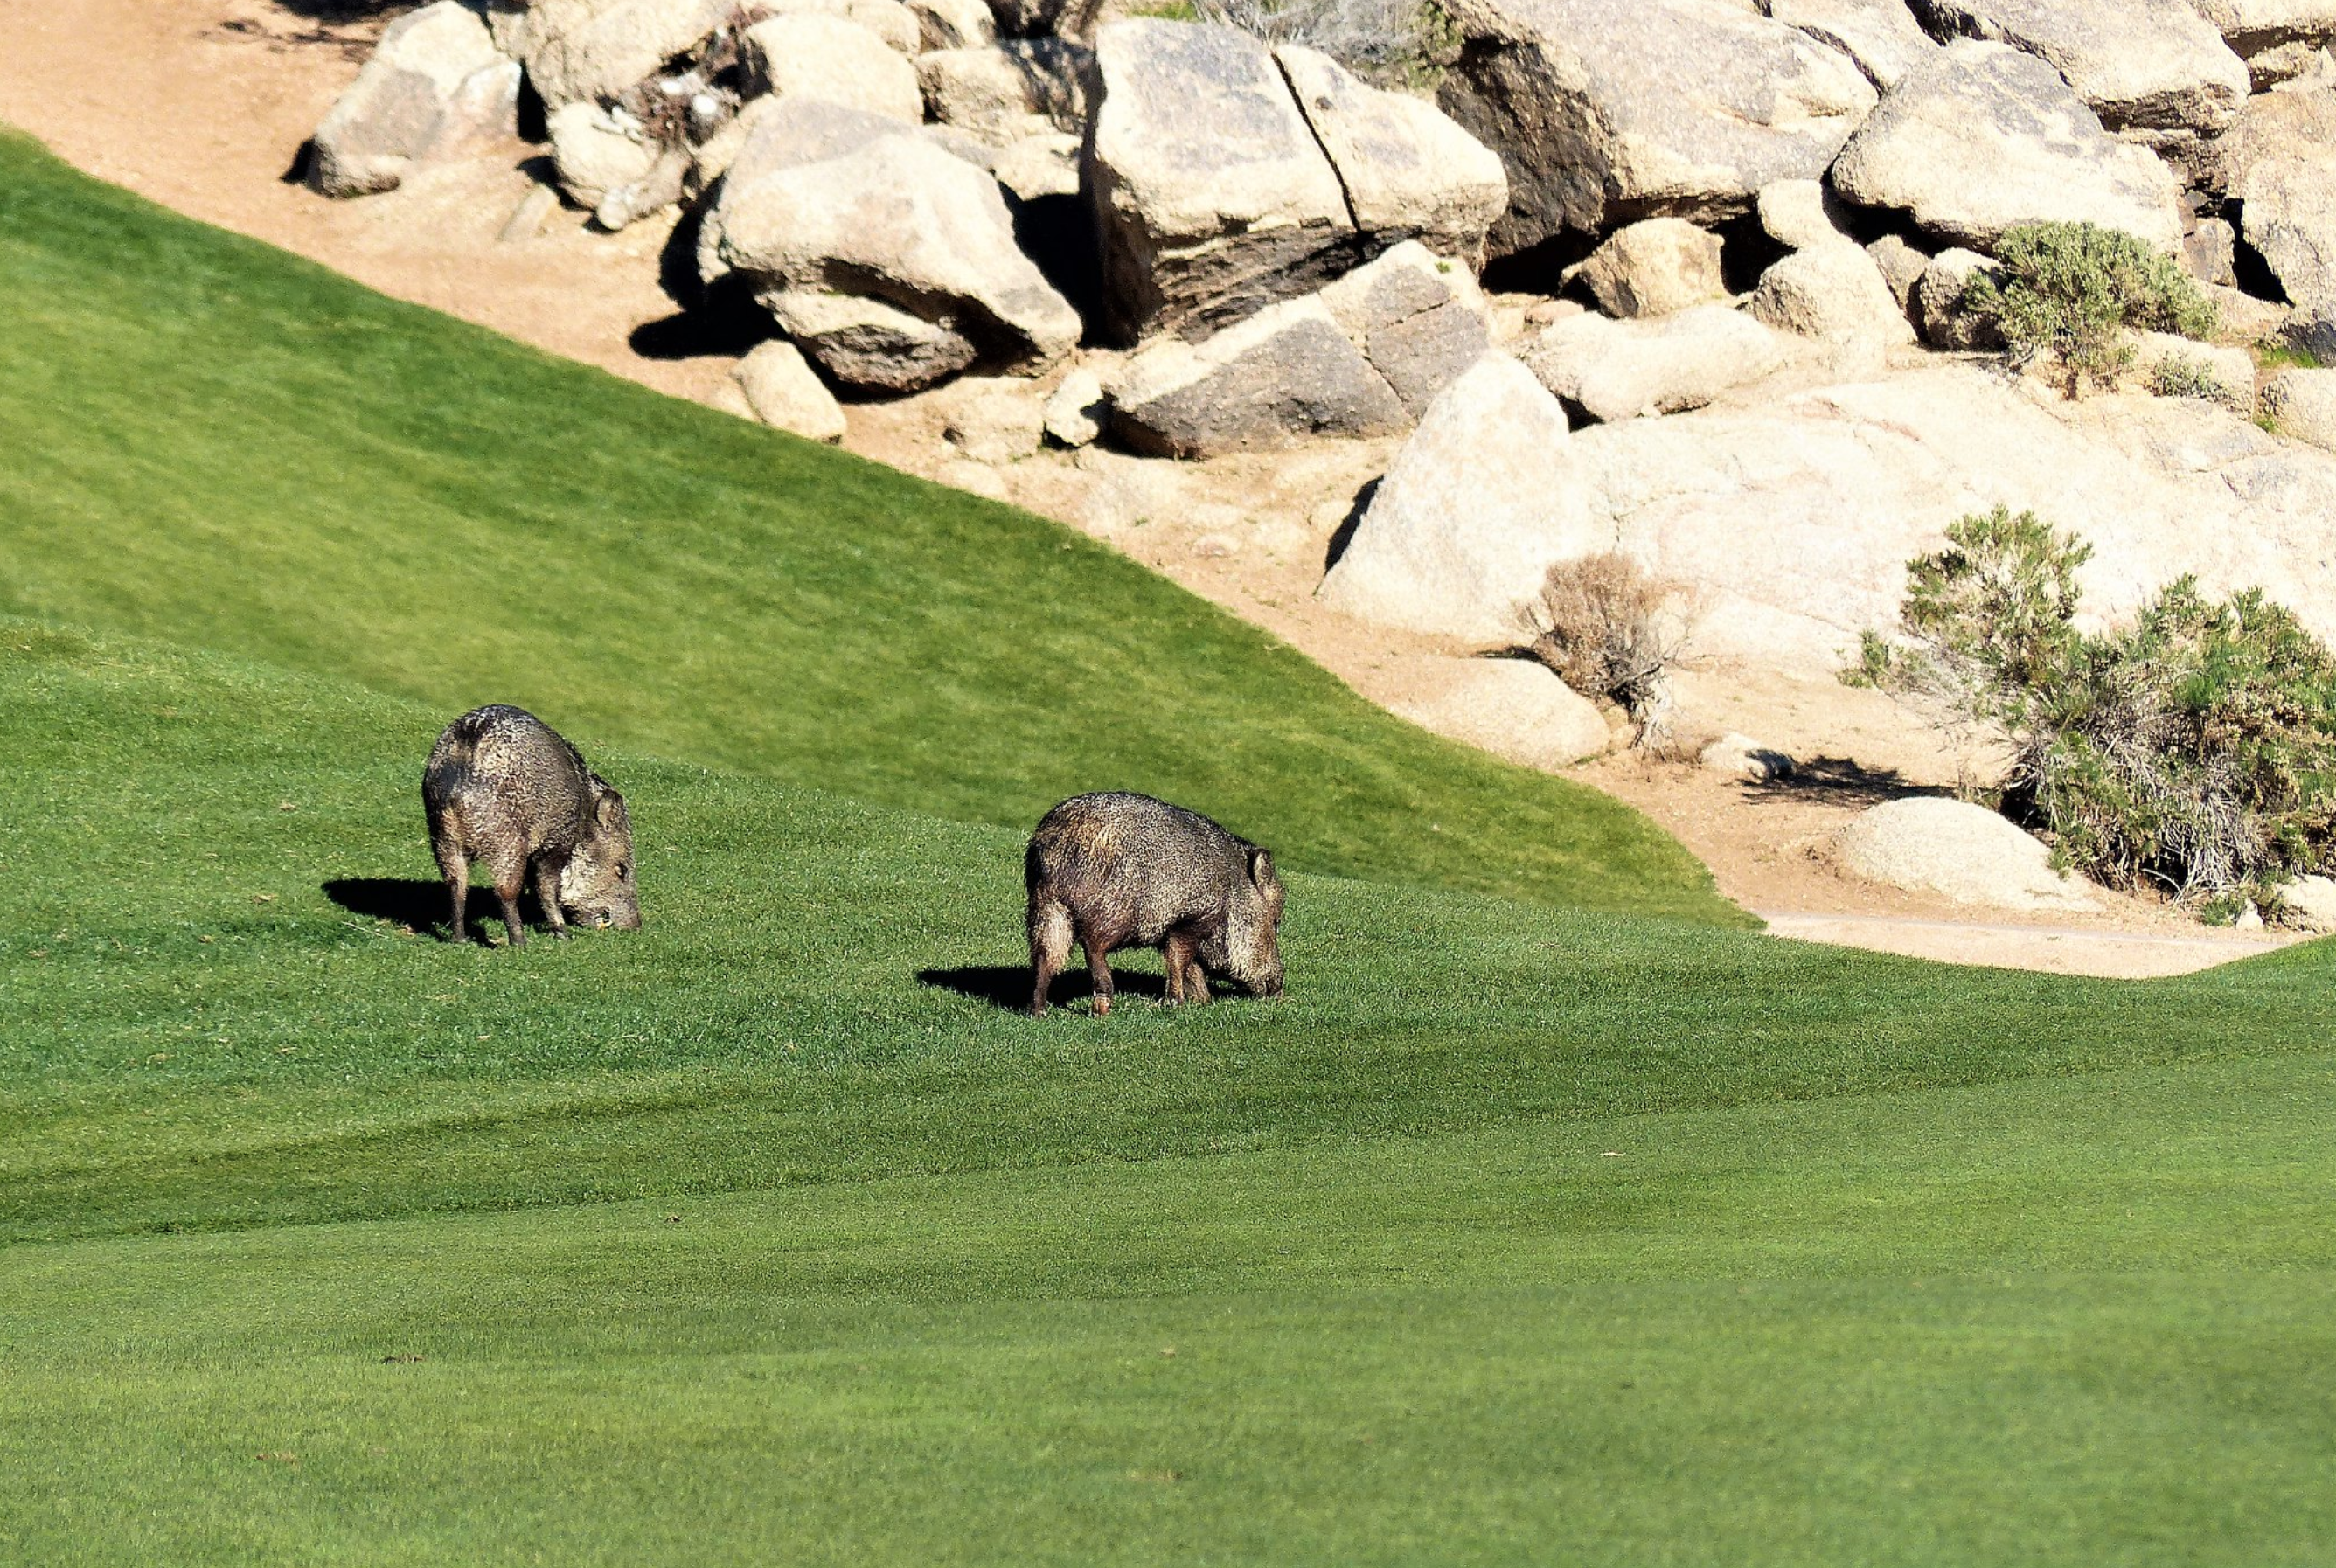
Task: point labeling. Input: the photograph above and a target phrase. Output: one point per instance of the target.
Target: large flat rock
(1795, 522)
(1213, 194)
(1610, 111)
(1984, 137)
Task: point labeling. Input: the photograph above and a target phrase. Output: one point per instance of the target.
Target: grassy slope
(210, 441)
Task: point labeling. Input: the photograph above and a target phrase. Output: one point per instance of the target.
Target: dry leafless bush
(1611, 630)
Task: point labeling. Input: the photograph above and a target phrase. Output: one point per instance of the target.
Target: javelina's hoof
(1103, 1007)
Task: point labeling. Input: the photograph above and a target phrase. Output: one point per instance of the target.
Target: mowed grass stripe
(201, 1037)
(2084, 1320)
(212, 442)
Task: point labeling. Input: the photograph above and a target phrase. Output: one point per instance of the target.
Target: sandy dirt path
(202, 105)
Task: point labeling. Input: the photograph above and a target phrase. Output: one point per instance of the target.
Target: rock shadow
(1344, 534)
(419, 905)
(1008, 985)
(1837, 782)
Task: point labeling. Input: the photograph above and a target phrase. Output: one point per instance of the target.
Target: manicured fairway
(1552, 1217)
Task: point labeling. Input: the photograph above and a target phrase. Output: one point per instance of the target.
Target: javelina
(504, 787)
(1121, 870)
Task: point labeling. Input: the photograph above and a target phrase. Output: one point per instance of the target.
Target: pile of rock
(1292, 250)
(1761, 217)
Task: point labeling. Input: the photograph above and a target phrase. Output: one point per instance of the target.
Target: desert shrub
(2178, 376)
(2193, 749)
(1400, 41)
(1609, 629)
(2072, 289)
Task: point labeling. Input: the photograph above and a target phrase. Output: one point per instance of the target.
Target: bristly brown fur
(504, 788)
(1118, 870)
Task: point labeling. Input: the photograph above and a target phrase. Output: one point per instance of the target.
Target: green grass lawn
(1552, 1217)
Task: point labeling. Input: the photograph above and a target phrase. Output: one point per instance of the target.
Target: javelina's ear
(1260, 865)
(608, 805)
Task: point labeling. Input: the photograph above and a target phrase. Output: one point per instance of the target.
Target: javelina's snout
(1118, 870)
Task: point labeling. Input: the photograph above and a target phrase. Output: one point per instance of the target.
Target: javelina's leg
(1050, 949)
(1196, 979)
(548, 868)
(1175, 953)
(1098, 951)
(455, 867)
(509, 869)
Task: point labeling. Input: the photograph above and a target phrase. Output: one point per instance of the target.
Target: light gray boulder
(1407, 171)
(1938, 310)
(2309, 903)
(784, 392)
(2288, 211)
(1624, 370)
(870, 344)
(579, 51)
(2210, 252)
(1793, 520)
(1417, 317)
(2280, 163)
(2306, 62)
(1902, 266)
(1610, 111)
(1514, 708)
(1739, 756)
(889, 260)
(1653, 267)
(434, 87)
(1212, 193)
(1475, 508)
(992, 419)
(1880, 35)
(1046, 164)
(594, 152)
(1005, 93)
(1076, 411)
(1835, 294)
(2252, 27)
(1286, 374)
(900, 27)
(1984, 137)
(1800, 214)
(817, 54)
(954, 23)
(2302, 405)
(2154, 67)
(1958, 851)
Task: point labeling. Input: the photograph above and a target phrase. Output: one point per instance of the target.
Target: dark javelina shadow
(421, 906)
(1008, 985)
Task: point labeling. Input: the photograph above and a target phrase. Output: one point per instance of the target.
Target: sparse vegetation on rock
(2072, 290)
(2192, 748)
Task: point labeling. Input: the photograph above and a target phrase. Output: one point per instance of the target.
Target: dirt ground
(203, 105)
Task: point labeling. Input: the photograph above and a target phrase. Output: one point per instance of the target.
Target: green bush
(2072, 289)
(2193, 749)
(2178, 376)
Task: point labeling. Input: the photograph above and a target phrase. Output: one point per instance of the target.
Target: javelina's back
(505, 764)
(1138, 862)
